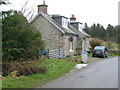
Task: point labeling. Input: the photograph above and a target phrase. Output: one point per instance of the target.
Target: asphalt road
(101, 74)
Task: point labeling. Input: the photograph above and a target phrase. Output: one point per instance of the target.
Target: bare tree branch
(27, 12)
(31, 16)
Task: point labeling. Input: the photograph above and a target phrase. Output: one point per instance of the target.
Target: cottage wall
(66, 45)
(79, 45)
(50, 34)
(75, 45)
(53, 38)
(86, 44)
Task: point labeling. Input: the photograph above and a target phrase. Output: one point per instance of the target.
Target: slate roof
(76, 31)
(69, 30)
(85, 33)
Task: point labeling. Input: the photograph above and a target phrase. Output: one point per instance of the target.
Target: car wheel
(93, 55)
(106, 56)
(103, 56)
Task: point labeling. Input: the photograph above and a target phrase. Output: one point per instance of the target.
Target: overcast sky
(90, 11)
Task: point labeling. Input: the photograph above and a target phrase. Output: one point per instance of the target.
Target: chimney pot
(43, 2)
(43, 7)
(73, 18)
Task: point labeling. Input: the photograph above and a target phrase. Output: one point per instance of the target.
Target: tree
(101, 32)
(18, 38)
(96, 31)
(86, 28)
(110, 31)
(117, 34)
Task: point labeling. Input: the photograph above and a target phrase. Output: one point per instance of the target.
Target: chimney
(43, 7)
(73, 18)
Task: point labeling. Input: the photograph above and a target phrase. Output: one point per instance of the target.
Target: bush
(22, 68)
(96, 42)
(19, 40)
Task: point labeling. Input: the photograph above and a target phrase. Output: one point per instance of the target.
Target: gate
(57, 53)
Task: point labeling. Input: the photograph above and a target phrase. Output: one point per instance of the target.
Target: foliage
(111, 46)
(18, 69)
(114, 49)
(96, 31)
(55, 68)
(96, 42)
(117, 34)
(18, 38)
(111, 33)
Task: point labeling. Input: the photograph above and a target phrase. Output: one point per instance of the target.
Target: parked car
(100, 51)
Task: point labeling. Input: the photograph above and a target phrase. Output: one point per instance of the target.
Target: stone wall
(50, 34)
(66, 45)
(87, 45)
(79, 45)
(53, 38)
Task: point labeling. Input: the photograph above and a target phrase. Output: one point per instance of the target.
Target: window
(80, 27)
(71, 44)
(64, 22)
(98, 47)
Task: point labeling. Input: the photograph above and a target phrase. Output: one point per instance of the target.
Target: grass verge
(55, 68)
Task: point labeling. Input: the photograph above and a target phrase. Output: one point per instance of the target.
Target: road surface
(101, 74)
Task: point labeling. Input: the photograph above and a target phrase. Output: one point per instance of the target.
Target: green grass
(112, 54)
(74, 57)
(55, 68)
(0, 84)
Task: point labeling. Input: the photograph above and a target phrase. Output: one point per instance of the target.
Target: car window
(98, 48)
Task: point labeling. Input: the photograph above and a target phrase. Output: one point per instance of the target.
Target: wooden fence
(57, 53)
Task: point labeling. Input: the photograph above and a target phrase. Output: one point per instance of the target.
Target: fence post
(47, 53)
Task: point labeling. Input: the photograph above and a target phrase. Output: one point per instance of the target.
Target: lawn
(55, 68)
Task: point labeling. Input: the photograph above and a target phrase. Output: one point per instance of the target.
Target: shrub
(96, 42)
(19, 40)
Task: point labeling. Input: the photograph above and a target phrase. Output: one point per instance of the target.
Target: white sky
(90, 11)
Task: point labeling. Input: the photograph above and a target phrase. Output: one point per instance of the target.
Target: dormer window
(61, 20)
(77, 25)
(80, 27)
(64, 22)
